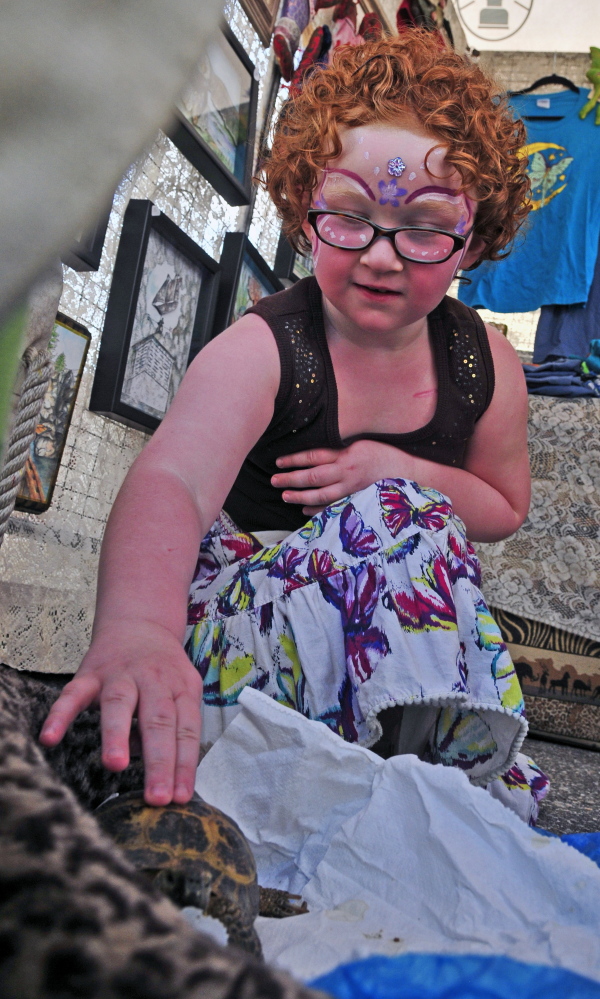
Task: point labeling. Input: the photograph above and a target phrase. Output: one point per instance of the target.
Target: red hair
(406, 81)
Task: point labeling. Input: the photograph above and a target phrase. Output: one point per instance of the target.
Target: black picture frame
(159, 315)
(241, 264)
(85, 253)
(68, 347)
(290, 266)
(227, 165)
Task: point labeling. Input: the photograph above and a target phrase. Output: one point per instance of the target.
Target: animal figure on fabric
(593, 75)
(76, 920)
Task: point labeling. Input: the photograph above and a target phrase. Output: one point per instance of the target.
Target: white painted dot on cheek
(422, 166)
(376, 171)
(366, 154)
(361, 139)
(412, 175)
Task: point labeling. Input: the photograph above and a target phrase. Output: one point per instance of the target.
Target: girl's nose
(381, 255)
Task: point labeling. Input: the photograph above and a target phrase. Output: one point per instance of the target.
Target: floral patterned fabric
(375, 602)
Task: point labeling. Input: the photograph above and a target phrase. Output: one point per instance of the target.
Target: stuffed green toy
(593, 75)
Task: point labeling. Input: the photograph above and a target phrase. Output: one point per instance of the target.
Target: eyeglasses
(417, 243)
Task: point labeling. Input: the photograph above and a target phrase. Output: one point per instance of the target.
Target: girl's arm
(491, 493)
(170, 498)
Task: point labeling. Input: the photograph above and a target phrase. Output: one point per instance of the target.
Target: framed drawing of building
(246, 278)
(68, 349)
(290, 266)
(160, 313)
(215, 121)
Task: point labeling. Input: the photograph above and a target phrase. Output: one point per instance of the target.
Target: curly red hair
(406, 81)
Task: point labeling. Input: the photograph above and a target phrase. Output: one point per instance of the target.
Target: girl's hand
(139, 668)
(324, 476)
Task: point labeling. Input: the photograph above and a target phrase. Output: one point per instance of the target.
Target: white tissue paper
(392, 856)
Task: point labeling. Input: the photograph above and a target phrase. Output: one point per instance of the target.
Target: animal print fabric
(375, 602)
(75, 919)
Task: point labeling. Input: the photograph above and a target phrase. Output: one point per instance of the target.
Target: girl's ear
(476, 247)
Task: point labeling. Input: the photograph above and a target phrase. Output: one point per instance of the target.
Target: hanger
(543, 80)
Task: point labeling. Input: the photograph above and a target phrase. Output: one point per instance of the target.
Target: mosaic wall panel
(48, 562)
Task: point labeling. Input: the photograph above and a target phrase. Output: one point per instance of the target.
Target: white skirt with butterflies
(373, 604)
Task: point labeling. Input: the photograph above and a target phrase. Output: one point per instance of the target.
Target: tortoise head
(185, 887)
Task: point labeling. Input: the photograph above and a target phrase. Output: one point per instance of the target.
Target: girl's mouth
(377, 292)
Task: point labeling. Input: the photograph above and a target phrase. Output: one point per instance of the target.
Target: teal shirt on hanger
(553, 258)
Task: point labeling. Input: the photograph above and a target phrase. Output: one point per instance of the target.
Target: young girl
(330, 452)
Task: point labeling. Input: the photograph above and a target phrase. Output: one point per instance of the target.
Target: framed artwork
(215, 120)
(86, 252)
(262, 14)
(68, 349)
(246, 278)
(290, 265)
(159, 315)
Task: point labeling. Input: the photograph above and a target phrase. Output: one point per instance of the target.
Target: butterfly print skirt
(375, 602)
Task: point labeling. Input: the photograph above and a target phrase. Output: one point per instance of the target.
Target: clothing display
(563, 377)
(567, 330)
(306, 414)
(552, 261)
(374, 603)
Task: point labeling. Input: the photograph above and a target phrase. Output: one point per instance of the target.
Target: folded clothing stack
(565, 376)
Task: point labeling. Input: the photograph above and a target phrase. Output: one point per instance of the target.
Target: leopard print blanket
(76, 920)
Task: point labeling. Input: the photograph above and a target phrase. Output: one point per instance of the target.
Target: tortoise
(196, 855)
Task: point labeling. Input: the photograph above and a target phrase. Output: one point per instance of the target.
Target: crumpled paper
(392, 856)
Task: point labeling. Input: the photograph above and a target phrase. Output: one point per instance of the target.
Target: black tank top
(306, 415)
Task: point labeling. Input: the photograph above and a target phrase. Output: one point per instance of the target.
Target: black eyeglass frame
(378, 230)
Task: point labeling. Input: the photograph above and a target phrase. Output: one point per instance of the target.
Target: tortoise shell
(194, 852)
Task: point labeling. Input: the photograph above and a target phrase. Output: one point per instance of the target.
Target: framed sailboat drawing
(159, 315)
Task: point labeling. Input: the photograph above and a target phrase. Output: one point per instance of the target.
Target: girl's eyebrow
(433, 190)
(353, 176)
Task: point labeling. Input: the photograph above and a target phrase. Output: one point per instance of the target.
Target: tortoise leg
(240, 933)
(278, 904)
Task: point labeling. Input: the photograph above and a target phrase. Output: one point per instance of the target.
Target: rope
(38, 367)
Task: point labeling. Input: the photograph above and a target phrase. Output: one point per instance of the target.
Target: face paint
(396, 166)
(376, 171)
(412, 175)
(447, 191)
(332, 181)
(390, 193)
(447, 196)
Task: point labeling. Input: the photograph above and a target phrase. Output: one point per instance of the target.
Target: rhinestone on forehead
(396, 166)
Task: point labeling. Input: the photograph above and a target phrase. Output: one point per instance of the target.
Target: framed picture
(290, 265)
(159, 314)
(68, 349)
(262, 14)
(215, 121)
(86, 252)
(246, 278)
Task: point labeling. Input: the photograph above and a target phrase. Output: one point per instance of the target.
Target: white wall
(551, 26)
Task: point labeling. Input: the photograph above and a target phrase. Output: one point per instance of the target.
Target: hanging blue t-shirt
(552, 261)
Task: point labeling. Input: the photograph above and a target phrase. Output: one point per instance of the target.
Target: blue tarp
(434, 976)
